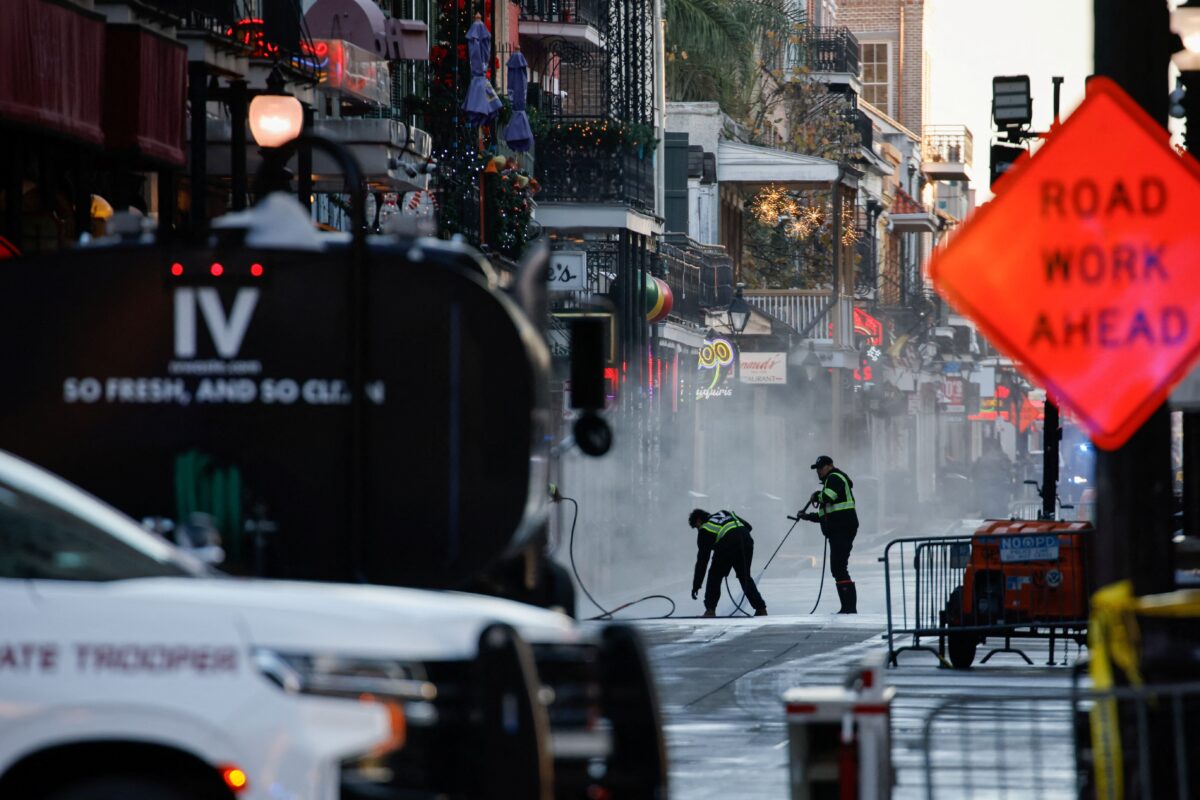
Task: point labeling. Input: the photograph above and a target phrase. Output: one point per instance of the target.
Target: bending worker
(839, 523)
(727, 539)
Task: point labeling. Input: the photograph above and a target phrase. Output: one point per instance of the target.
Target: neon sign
(249, 31)
(868, 326)
(715, 354)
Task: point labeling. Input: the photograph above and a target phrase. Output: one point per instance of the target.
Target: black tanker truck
(368, 412)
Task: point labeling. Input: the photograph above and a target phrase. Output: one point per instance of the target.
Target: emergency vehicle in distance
(221, 377)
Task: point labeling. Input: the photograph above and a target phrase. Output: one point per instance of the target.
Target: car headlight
(344, 676)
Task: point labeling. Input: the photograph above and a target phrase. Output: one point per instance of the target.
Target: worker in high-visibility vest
(839, 524)
(726, 537)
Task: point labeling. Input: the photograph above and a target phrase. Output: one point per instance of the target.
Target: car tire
(961, 648)
(120, 787)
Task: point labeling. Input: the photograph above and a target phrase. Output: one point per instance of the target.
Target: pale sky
(970, 41)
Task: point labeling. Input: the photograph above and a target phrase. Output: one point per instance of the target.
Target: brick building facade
(895, 66)
(822, 12)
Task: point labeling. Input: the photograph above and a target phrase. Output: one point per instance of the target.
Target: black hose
(605, 613)
(738, 604)
(821, 588)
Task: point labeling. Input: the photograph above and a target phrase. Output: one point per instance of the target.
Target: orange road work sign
(1086, 266)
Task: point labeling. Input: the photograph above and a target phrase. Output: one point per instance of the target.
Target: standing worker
(839, 524)
(727, 539)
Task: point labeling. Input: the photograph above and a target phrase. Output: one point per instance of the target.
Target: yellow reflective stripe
(720, 530)
(846, 486)
(845, 505)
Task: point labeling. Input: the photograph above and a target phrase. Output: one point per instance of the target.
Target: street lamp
(738, 311)
(275, 117)
(812, 364)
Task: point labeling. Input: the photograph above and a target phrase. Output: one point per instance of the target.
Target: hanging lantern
(666, 301)
(652, 295)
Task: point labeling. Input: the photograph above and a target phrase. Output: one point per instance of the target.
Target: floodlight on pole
(1012, 103)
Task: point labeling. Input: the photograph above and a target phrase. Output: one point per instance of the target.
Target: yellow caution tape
(1114, 641)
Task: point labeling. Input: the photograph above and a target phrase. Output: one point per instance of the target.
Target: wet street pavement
(721, 682)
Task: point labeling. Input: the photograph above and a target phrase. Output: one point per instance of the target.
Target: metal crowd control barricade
(1044, 745)
(1010, 579)
(839, 737)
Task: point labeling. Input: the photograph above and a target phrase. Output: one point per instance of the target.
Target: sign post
(1134, 487)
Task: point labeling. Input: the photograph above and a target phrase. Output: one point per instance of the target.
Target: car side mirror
(592, 432)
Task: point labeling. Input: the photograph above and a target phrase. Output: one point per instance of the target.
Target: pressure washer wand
(795, 521)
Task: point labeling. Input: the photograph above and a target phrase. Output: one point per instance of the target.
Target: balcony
(809, 312)
(827, 54)
(700, 276)
(572, 173)
(946, 152)
(581, 22)
(908, 216)
(385, 150)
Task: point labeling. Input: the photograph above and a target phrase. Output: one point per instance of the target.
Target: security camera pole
(1134, 494)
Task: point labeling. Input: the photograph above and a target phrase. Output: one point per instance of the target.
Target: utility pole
(1051, 430)
(1191, 416)
(836, 393)
(1134, 495)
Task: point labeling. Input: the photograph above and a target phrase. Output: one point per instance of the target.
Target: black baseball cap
(822, 461)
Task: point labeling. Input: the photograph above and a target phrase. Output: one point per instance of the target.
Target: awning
(52, 67)
(754, 165)
(145, 87)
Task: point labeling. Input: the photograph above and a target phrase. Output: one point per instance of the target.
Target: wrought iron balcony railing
(585, 174)
(947, 144)
(825, 49)
(578, 12)
(700, 276)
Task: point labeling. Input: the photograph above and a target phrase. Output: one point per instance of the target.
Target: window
(39, 541)
(876, 75)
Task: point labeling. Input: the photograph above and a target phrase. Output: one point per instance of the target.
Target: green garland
(599, 135)
(508, 209)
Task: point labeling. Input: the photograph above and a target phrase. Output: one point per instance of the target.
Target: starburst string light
(850, 233)
(774, 204)
(768, 204)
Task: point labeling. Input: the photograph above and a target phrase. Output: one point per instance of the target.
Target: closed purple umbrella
(518, 134)
(482, 104)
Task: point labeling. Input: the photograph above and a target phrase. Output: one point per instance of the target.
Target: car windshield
(41, 541)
